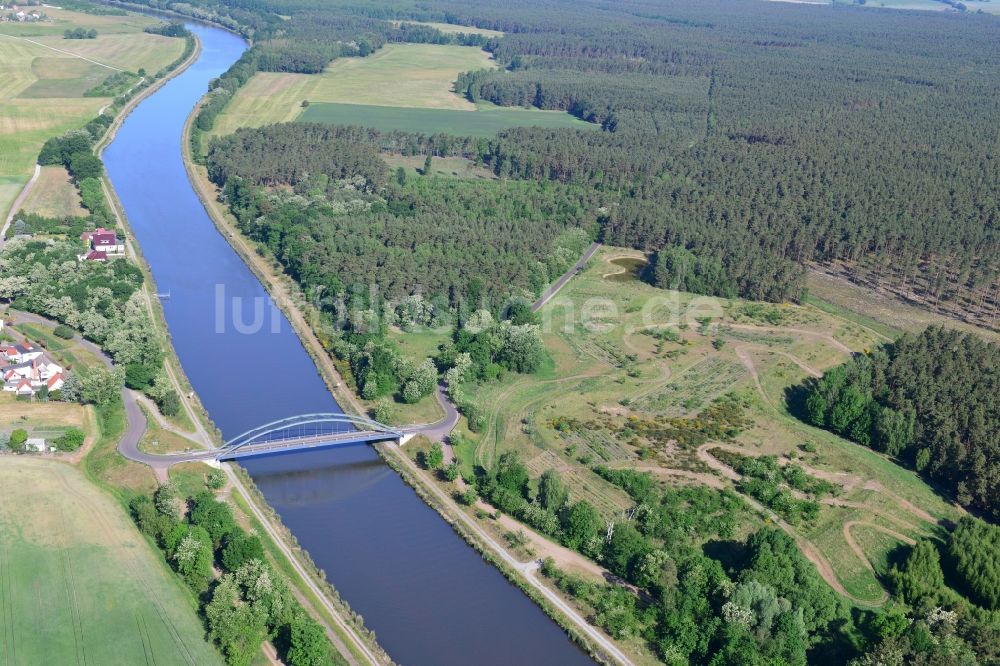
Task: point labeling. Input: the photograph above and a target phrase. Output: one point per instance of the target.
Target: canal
(428, 596)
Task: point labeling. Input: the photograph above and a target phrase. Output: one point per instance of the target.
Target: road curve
(440, 429)
(135, 427)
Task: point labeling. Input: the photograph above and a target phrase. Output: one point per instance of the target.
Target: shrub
(70, 440)
(63, 331)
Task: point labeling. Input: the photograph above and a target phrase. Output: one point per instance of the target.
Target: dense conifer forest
(929, 400)
(758, 136)
(347, 225)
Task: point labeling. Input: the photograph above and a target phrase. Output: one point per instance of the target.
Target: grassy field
(605, 368)
(408, 75)
(401, 86)
(43, 78)
(485, 121)
(78, 584)
(37, 416)
(456, 167)
(54, 195)
(452, 29)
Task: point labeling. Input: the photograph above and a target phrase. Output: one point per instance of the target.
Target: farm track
(801, 331)
(18, 202)
(62, 52)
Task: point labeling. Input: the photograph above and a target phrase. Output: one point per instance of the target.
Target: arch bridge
(303, 432)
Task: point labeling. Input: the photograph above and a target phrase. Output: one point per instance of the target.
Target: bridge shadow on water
(331, 482)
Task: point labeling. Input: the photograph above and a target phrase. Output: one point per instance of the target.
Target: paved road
(440, 429)
(564, 278)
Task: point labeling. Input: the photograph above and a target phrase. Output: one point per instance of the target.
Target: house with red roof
(103, 243)
(27, 377)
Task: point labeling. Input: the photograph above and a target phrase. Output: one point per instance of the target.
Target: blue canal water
(429, 597)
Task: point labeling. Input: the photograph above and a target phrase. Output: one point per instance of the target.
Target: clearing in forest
(78, 584)
(453, 29)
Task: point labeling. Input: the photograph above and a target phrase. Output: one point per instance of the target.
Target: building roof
(104, 239)
(55, 379)
(94, 255)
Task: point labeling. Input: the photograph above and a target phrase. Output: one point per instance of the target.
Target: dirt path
(65, 53)
(806, 547)
(747, 360)
(827, 337)
(713, 462)
(833, 501)
(526, 569)
(856, 547)
(18, 202)
(703, 478)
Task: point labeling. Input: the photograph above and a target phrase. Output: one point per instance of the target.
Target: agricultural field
(43, 78)
(629, 362)
(485, 121)
(64, 546)
(54, 195)
(401, 86)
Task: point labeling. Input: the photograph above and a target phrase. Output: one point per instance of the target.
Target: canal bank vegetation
(246, 602)
(340, 607)
(446, 510)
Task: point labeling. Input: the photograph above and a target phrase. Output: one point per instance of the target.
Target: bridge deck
(304, 443)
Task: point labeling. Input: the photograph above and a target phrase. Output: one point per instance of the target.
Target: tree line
(247, 602)
(928, 400)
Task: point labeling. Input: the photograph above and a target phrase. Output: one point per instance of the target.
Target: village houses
(26, 370)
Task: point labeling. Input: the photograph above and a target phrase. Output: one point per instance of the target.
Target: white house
(36, 444)
(103, 243)
(28, 377)
(21, 353)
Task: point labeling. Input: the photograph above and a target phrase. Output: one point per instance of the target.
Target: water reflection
(429, 597)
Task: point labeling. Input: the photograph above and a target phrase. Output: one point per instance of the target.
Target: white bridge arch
(306, 431)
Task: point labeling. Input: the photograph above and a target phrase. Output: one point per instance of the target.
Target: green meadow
(483, 122)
